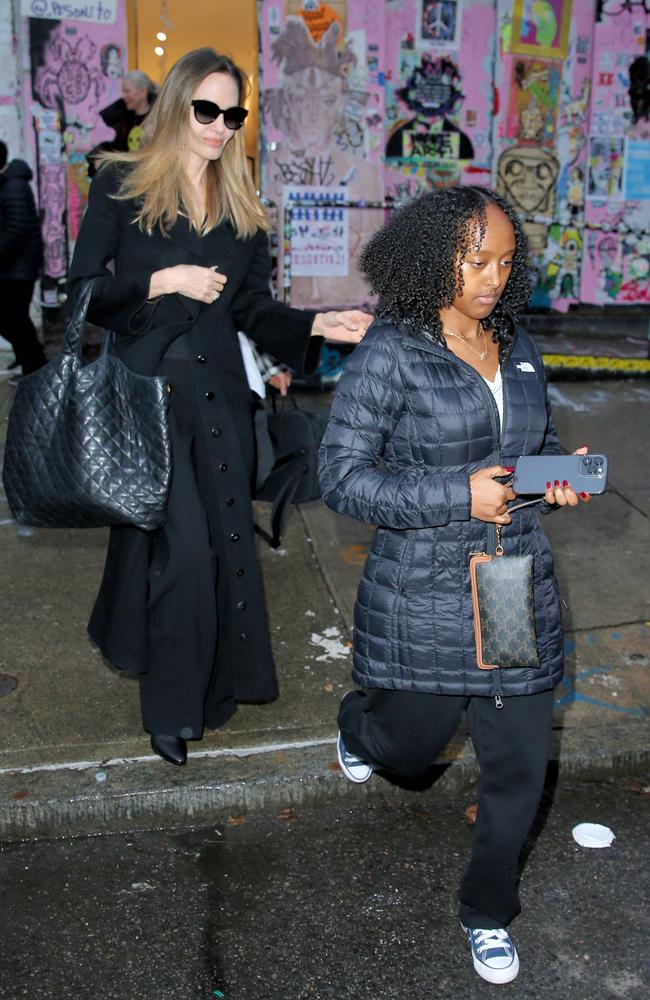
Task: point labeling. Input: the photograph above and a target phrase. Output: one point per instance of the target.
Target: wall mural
(75, 69)
(548, 101)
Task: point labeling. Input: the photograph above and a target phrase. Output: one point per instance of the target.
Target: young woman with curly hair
(431, 412)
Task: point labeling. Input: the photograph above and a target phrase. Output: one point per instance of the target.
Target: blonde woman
(184, 234)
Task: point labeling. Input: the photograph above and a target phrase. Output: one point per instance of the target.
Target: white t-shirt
(496, 388)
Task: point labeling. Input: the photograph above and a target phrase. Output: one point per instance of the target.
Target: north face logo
(525, 366)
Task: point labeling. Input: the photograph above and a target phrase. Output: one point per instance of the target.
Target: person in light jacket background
(185, 236)
(428, 418)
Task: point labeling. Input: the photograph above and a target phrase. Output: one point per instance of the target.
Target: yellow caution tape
(597, 363)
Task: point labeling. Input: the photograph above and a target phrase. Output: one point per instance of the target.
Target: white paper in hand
(592, 835)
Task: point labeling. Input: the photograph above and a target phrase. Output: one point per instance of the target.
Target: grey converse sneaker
(353, 767)
(495, 956)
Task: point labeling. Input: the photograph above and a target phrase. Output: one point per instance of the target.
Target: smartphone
(584, 473)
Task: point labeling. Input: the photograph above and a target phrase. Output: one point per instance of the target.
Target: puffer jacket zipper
(495, 459)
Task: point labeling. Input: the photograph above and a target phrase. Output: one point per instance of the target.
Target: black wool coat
(145, 331)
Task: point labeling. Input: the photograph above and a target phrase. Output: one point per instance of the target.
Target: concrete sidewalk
(74, 759)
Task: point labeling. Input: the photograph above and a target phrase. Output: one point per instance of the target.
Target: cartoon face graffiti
(310, 105)
(315, 98)
(527, 177)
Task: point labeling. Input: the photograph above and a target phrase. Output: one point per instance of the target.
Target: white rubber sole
(497, 976)
(366, 772)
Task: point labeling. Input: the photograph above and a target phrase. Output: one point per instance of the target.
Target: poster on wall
(541, 28)
(438, 22)
(320, 238)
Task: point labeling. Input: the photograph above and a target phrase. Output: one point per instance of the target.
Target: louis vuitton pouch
(504, 616)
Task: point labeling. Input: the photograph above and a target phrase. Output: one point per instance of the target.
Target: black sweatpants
(403, 732)
(17, 327)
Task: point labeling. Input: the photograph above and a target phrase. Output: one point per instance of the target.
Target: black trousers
(403, 732)
(17, 327)
(182, 690)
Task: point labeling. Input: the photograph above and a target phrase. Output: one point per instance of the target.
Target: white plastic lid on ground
(593, 835)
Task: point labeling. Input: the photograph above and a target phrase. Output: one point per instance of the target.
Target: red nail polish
(583, 494)
(556, 483)
(565, 482)
(509, 468)
(548, 486)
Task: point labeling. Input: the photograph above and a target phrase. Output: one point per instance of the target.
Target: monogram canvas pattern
(88, 446)
(505, 601)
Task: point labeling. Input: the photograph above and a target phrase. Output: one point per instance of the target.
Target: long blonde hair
(157, 179)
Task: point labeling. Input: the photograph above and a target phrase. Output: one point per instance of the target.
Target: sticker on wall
(606, 163)
(319, 17)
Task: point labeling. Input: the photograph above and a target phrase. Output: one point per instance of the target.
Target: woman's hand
(281, 382)
(347, 327)
(204, 284)
(489, 498)
(562, 494)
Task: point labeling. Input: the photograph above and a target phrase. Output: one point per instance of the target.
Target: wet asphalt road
(330, 903)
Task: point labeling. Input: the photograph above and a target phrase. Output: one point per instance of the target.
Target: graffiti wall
(544, 100)
(616, 259)
(323, 100)
(74, 71)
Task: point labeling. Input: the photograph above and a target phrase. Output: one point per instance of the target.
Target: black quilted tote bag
(88, 446)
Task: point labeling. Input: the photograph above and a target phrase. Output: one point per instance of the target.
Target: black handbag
(88, 446)
(295, 437)
(504, 609)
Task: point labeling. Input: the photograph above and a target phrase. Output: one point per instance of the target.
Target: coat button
(241, 605)
(230, 502)
(215, 431)
(239, 572)
(209, 395)
(201, 358)
(223, 466)
(243, 636)
(234, 536)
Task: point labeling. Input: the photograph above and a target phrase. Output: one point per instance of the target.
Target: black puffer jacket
(21, 248)
(410, 422)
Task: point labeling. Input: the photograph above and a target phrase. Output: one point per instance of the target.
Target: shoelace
(493, 939)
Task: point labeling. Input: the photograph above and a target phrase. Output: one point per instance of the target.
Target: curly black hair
(414, 262)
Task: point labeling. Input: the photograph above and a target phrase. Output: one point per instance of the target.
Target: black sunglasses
(207, 112)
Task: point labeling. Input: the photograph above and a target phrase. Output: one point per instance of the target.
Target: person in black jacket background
(429, 417)
(21, 252)
(127, 116)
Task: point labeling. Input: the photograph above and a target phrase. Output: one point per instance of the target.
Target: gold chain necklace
(481, 355)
